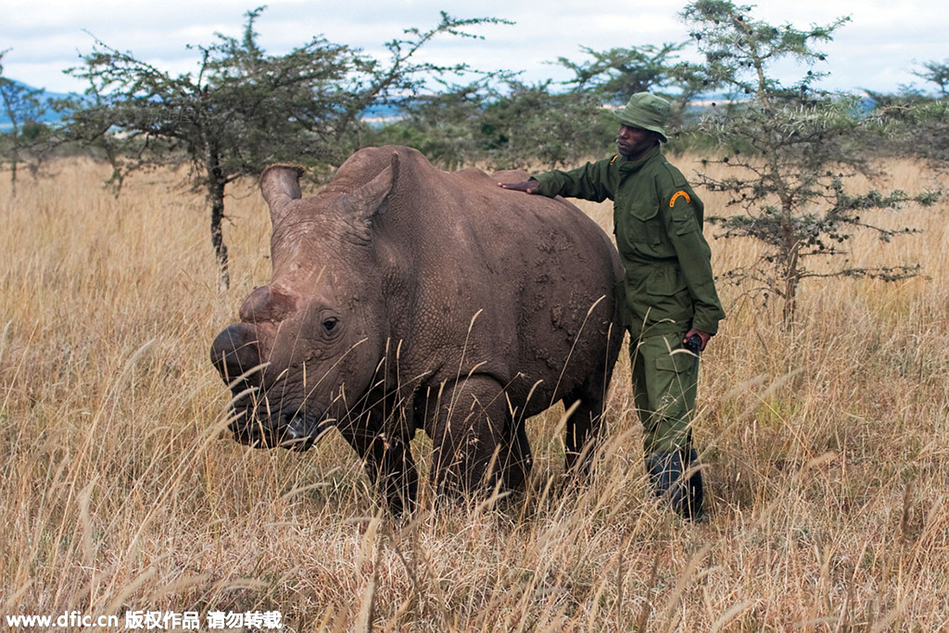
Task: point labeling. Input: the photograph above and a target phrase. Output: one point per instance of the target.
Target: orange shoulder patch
(675, 197)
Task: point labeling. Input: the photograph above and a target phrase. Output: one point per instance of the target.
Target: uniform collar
(627, 165)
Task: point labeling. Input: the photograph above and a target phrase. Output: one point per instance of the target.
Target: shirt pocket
(667, 298)
(684, 220)
(678, 361)
(639, 225)
(665, 281)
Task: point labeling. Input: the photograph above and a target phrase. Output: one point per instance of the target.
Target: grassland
(827, 448)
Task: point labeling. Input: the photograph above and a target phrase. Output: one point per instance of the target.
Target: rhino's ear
(280, 185)
(369, 200)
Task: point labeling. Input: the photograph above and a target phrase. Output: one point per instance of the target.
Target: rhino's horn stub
(394, 168)
(294, 167)
(394, 165)
(280, 184)
(367, 200)
(268, 303)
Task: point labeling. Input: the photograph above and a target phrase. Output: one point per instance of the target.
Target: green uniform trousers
(665, 378)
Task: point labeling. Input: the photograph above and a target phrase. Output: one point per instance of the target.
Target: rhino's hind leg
(469, 451)
(583, 435)
(516, 461)
(583, 430)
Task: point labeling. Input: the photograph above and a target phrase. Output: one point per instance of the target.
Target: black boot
(693, 509)
(666, 472)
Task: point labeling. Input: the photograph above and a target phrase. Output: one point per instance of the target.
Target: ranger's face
(633, 142)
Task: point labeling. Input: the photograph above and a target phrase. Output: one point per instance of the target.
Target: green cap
(646, 111)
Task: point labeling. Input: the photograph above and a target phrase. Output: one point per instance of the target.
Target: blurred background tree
(244, 109)
(506, 123)
(787, 148)
(915, 122)
(25, 141)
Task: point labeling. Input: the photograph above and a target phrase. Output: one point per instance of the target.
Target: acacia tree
(612, 76)
(937, 73)
(512, 124)
(243, 109)
(785, 146)
(615, 74)
(914, 122)
(921, 124)
(23, 108)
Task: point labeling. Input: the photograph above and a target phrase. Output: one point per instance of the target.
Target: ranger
(668, 297)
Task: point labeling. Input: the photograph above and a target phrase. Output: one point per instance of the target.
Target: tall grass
(826, 446)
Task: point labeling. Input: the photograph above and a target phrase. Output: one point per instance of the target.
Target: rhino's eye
(329, 324)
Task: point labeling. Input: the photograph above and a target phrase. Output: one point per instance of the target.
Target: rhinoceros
(404, 297)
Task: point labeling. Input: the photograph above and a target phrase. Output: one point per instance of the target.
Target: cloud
(878, 49)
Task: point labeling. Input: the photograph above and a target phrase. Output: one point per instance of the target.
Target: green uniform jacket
(657, 219)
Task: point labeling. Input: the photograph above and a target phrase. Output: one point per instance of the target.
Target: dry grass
(827, 452)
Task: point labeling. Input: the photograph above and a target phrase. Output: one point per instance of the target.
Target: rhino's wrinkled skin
(406, 298)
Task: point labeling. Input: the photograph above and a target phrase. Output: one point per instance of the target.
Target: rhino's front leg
(469, 437)
(390, 466)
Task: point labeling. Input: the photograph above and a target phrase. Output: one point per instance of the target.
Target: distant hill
(374, 115)
(48, 117)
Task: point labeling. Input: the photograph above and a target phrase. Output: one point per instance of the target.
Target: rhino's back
(566, 269)
(505, 283)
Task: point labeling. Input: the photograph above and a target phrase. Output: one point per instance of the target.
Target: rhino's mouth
(296, 431)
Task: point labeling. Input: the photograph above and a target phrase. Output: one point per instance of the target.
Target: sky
(879, 50)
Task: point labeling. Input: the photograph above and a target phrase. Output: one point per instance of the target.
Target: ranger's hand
(702, 335)
(528, 186)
